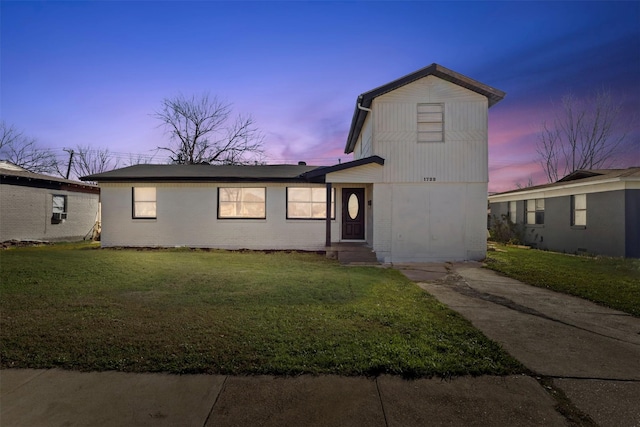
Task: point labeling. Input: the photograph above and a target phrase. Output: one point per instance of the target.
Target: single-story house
(415, 191)
(34, 206)
(588, 211)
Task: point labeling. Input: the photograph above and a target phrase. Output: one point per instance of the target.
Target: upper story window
(535, 211)
(430, 122)
(512, 212)
(579, 209)
(240, 202)
(144, 202)
(59, 208)
(309, 203)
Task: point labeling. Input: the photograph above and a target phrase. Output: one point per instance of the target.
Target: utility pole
(70, 161)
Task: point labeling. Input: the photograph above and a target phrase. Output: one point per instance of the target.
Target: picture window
(241, 202)
(309, 203)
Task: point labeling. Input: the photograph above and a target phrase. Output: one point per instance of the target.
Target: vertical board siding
(462, 157)
(364, 147)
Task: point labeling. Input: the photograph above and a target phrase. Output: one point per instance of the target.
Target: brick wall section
(187, 216)
(25, 213)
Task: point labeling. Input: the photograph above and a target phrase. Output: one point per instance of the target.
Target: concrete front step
(352, 253)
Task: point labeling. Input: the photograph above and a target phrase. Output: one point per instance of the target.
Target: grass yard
(75, 306)
(612, 282)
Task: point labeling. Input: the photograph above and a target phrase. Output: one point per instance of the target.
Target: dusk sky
(92, 73)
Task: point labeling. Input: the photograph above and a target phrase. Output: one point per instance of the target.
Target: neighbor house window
(242, 203)
(430, 123)
(144, 202)
(59, 207)
(512, 212)
(535, 211)
(309, 203)
(579, 209)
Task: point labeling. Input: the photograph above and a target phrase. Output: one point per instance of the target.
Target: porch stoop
(352, 253)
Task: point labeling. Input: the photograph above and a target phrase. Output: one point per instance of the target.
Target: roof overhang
(365, 100)
(319, 175)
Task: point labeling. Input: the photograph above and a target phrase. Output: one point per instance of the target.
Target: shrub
(502, 230)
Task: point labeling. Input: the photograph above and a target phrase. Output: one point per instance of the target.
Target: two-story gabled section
(428, 202)
(416, 190)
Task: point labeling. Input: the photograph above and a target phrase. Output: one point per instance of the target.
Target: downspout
(368, 110)
(360, 107)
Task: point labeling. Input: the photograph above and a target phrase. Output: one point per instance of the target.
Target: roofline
(365, 100)
(323, 171)
(201, 179)
(559, 186)
(51, 184)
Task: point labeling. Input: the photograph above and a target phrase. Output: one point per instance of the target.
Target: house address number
(429, 178)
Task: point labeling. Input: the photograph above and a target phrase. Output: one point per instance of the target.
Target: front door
(353, 213)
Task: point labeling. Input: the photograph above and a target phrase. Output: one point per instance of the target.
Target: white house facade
(415, 191)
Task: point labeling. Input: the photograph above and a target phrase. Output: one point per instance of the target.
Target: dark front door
(353, 213)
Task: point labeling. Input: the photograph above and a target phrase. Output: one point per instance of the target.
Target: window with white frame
(309, 203)
(430, 123)
(512, 212)
(241, 202)
(535, 211)
(144, 202)
(579, 209)
(59, 207)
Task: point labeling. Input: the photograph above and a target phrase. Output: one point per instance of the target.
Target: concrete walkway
(585, 359)
(582, 351)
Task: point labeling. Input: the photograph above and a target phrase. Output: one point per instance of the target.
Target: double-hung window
(144, 202)
(241, 202)
(512, 212)
(535, 211)
(59, 208)
(579, 209)
(430, 122)
(309, 203)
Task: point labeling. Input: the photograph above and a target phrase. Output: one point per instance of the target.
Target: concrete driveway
(578, 350)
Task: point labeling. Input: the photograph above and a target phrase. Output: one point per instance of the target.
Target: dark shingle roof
(493, 95)
(11, 174)
(212, 173)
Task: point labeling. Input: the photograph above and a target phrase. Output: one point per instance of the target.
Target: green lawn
(612, 282)
(76, 306)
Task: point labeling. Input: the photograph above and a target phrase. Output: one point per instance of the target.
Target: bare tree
(585, 134)
(24, 151)
(203, 131)
(139, 159)
(529, 183)
(89, 161)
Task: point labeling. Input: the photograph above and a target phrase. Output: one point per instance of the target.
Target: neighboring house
(41, 207)
(588, 211)
(416, 190)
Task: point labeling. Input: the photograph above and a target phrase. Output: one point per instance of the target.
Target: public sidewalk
(587, 357)
(67, 398)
